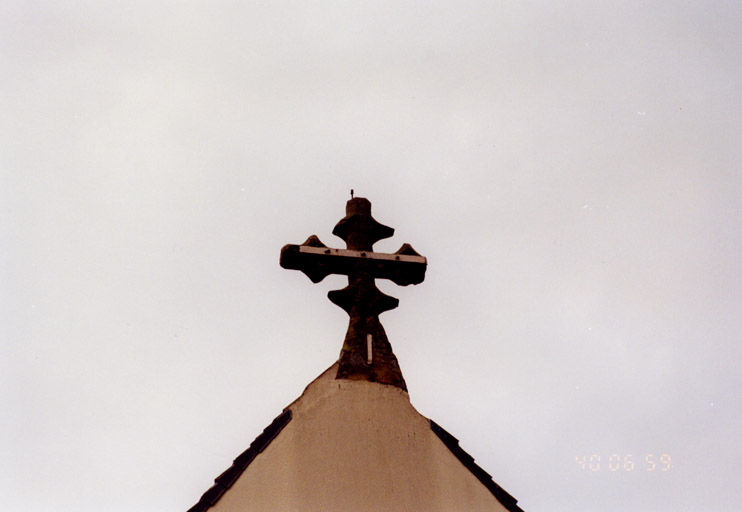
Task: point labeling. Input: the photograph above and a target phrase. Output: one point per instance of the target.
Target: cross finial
(366, 352)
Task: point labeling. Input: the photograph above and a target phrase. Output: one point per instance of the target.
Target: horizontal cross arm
(319, 262)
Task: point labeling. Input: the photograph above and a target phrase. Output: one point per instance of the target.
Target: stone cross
(367, 353)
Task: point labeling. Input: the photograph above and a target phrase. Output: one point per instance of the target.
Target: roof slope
(467, 460)
(231, 474)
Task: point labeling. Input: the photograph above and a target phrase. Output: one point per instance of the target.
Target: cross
(366, 353)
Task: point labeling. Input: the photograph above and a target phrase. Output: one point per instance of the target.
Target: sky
(571, 170)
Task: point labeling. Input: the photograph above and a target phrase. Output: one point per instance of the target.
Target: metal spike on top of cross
(361, 299)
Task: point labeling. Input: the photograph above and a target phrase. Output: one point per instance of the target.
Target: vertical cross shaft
(367, 353)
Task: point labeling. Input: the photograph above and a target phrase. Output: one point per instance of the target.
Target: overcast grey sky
(571, 171)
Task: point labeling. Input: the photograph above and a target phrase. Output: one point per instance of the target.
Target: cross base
(371, 359)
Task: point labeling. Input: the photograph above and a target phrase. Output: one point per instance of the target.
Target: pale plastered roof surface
(356, 446)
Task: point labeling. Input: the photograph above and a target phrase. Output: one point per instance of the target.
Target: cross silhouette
(367, 353)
